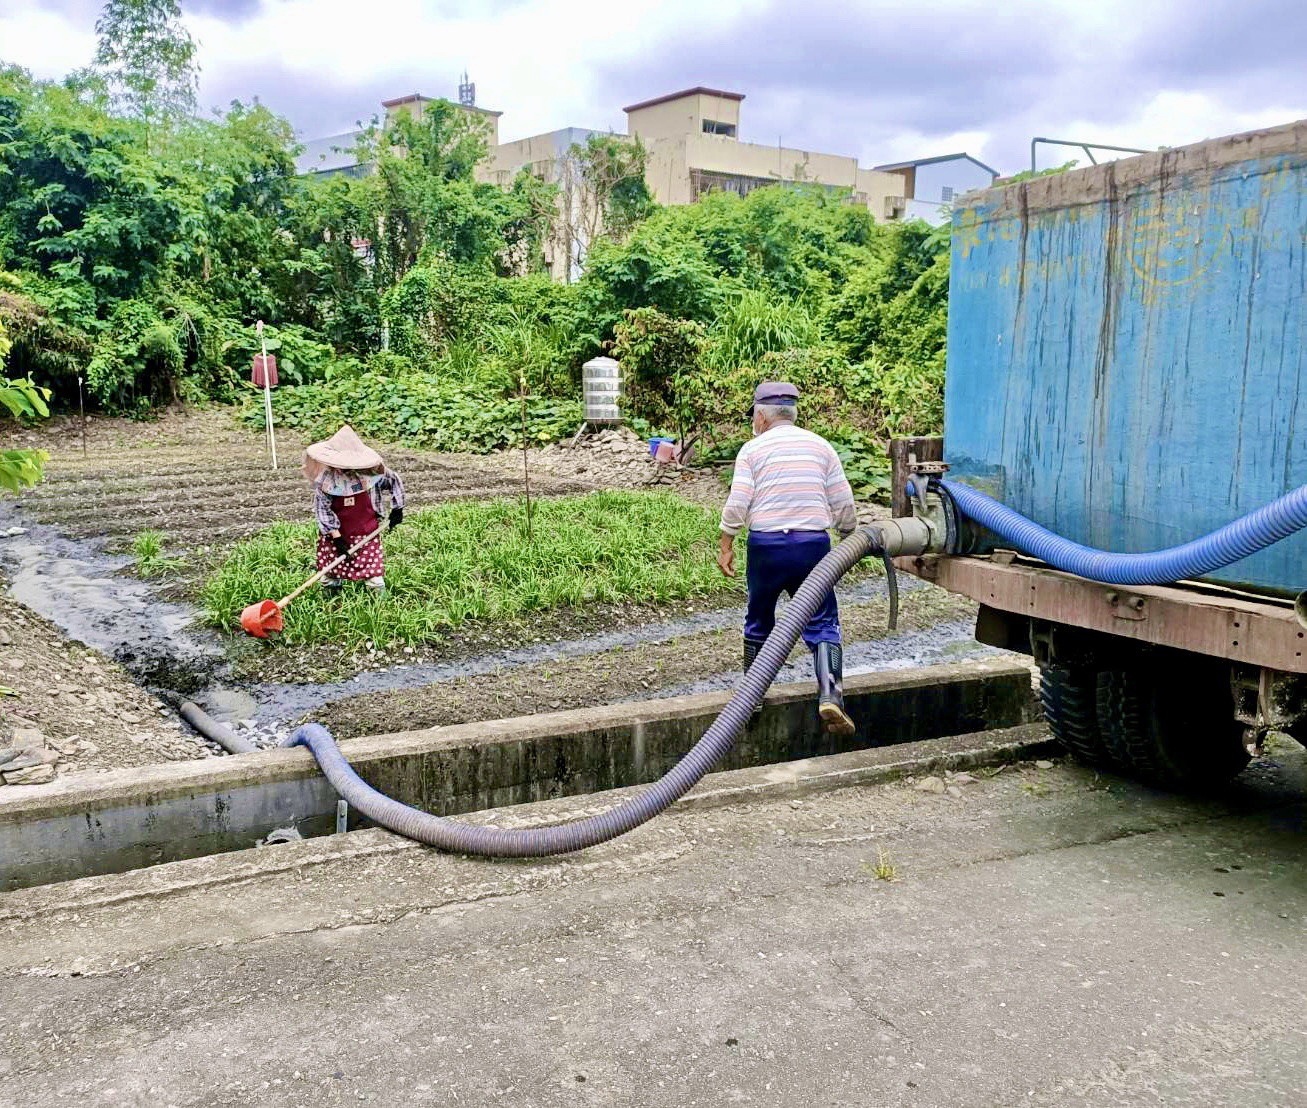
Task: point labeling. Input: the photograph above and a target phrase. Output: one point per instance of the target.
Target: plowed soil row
(208, 491)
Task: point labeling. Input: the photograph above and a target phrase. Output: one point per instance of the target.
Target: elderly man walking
(789, 489)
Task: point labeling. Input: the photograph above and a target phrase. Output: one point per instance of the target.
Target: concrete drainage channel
(125, 820)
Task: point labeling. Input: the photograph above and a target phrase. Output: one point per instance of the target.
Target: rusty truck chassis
(1027, 606)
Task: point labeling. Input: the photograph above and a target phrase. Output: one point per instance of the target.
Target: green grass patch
(151, 561)
(472, 560)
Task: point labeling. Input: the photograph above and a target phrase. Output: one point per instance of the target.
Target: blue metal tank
(1127, 347)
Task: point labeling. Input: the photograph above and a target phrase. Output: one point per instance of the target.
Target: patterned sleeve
(839, 496)
(735, 514)
(396, 489)
(328, 521)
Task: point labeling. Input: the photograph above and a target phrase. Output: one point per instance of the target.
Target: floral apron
(357, 519)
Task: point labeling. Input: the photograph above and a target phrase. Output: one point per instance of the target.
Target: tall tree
(147, 59)
(604, 194)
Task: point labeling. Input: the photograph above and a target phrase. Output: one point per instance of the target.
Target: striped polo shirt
(788, 479)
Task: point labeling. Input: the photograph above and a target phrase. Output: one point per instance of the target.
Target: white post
(267, 396)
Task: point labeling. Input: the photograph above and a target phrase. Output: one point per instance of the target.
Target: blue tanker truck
(1127, 373)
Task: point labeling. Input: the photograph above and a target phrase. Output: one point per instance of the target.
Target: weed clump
(151, 561)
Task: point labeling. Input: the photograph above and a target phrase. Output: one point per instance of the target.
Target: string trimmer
(263, 618)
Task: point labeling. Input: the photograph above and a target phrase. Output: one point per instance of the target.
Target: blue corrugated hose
(1246, 535)
(467, 838)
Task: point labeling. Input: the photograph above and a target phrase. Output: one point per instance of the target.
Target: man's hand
(726, 555)
(396, 517)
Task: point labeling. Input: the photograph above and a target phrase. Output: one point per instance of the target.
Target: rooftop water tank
(601, 380)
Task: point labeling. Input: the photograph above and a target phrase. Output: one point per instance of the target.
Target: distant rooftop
(698, 90)
(890, 167)
(331, 154)
(418, 98)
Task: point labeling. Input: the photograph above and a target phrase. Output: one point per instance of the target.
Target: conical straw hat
(345, 450)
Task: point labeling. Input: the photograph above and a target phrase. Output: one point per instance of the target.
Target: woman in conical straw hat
(349, 479)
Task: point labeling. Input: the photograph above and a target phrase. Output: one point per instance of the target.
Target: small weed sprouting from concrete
(151, 561)
(1034, 788)
(884, 868)
(470, 561)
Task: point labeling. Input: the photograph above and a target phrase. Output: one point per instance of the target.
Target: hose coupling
(909, 535)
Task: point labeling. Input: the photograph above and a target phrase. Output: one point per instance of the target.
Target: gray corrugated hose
(465, 838)
(207, 726)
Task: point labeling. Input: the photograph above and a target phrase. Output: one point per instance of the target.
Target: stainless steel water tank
(601, 380)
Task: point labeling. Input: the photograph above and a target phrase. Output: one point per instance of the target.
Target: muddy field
(204, 481)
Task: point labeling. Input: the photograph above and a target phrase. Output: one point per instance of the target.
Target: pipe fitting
(908, 535)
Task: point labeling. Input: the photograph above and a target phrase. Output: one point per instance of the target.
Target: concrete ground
(1048, 937)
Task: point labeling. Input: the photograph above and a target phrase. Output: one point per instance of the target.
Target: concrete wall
(672, 162)
(883, 192)
(683, 116)
(132, 818)
(546, 156)
(539, 153)
(667, 170)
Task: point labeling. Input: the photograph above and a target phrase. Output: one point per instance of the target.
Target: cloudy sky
(879, 79)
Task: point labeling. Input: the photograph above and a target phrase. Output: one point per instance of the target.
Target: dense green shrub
(417, 409)
(301, 358)
(752, 323)
(148, 251)
(138, 362)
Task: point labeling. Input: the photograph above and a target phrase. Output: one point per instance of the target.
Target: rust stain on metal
(1222, 626)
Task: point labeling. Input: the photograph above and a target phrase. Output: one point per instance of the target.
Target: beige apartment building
(693, 145)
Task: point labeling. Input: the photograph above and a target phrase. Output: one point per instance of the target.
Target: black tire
(1069, 695)
(1172, 724)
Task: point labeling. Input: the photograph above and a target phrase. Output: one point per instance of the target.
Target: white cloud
(882, 79)
(1179, 118)
(527, 59)
(44, 41)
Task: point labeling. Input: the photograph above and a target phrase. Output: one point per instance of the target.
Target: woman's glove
(396, 517)
(341, 543)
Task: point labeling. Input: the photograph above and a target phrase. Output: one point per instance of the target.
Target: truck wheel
(1172, 725)
(1069, 697)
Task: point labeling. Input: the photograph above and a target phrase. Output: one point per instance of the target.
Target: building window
(712, 127)
(703, 181)
(946, 195)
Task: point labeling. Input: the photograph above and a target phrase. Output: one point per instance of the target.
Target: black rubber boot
(751, 648)
(828, 659)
